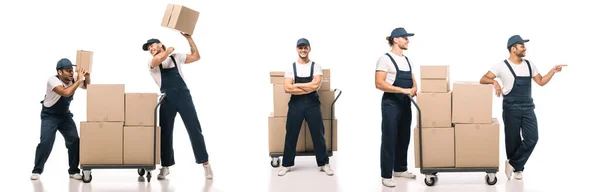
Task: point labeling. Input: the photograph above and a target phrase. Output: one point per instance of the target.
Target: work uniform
(304, 107)
(56, 116)
(518, 111)
(396, 116)
(177, 100)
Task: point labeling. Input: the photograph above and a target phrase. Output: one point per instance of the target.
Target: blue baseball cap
(64, 63)
(400, 32)
(149, 42)
(302, 41)
(515, 39)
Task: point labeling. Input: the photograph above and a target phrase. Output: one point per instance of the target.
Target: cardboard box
(328, 141)
(139, 109)
(101, 143)
(138, 145)
(478, 145)
(280, 100)
(435, 72)
(84, 60)
(277, 131)
(106, 102)
(180, 18)
(435, 86)
(438, 147)
(436, 109)
(326, 80)
(326, 98)
(472, 102)
(277, 77)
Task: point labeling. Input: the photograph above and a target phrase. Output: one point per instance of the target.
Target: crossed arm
(302, 88)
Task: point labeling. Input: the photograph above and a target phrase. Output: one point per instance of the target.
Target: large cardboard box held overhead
(436, 109)
(84, 60)
(328, 141)
(478, 145)
(472, 102)
(138, 145)
(180, 18)
(106, 102)
(139, 109)
(101, 143)
(438, 147)
(277, 131)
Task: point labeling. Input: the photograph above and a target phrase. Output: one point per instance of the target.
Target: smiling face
(518, 50)
(401, 42)
(155, 48)
(303, 51)
(66, 74)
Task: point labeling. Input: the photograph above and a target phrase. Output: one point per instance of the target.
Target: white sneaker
(208, 171)
(508, 169)
(388, 182)
(327, 169)
(405, 174)
(75, 176)
(35, 176)
(519, 175)
(164, 171)
(283, 170)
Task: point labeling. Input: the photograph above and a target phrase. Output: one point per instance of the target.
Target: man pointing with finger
(518, 114)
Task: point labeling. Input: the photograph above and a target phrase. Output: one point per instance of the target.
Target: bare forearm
(386, 87)
(486, 80)
(71, 89)
(294, 90)
(547, 77)
(193, 48)
(159, 58)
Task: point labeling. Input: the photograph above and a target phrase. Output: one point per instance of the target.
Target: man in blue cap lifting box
(56, 116)
(517, 105)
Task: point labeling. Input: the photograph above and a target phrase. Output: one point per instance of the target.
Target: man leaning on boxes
(56, 116)
(165, 68)
(517, 105)
(302, 80)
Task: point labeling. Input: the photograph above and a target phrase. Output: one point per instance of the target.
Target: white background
(240, 42)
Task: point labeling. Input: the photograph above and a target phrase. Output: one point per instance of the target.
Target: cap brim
(145, 46)
(406, 35)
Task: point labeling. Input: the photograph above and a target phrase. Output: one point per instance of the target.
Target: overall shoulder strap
(173, 59)
(510, 68)
(393, 61)
(312, 68)
(529, 66)
(294, 70)
(409, 67)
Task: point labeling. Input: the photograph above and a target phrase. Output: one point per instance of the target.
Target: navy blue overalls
(178, 99)
(301, 107)
(57, 117)
(396, 120)
(518, 114)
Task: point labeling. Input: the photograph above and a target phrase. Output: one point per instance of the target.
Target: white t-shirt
(167, 64)
(52, 97)
(302, 70)
(506, 77)
(385, 64)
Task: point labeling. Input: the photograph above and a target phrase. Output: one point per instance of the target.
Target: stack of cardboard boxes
(458, 128)
(119, 127)
(277, 119)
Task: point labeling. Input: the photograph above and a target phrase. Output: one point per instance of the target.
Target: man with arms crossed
(302, 80)
(395, 78)
(518, 114)
(165, 68)
(56, 116)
